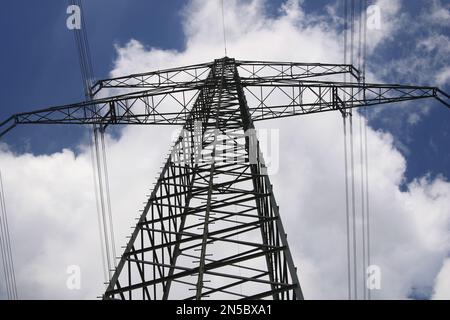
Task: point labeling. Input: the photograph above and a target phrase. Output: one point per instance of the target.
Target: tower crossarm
(168, 105)
(252, 72)
(272, 90)
(188, 75)
(285, 98)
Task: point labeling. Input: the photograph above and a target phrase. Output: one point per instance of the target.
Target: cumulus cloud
(442, 288)
(426, 46)
(52, 207)
(415, 51)
(439, 14)
(443, 76)
(391, 17)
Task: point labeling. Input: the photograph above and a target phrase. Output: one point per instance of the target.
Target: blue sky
(40, 69)
(40, 66)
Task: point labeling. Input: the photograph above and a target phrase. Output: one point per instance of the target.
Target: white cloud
(443, 76)
(419, 55)
(390, 21)
(51, 202)
(427, 53)
(442, 288)
(439, 14)
(435, 42)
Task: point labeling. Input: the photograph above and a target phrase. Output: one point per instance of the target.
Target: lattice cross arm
(169, 105)
(291, 98)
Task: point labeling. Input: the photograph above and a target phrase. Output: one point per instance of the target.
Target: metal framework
(211, 227)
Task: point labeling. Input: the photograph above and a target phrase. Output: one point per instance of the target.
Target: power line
(352, 177)
(5, 244)
(366, 161)
(98, 154)
(366, 165)
(108, 197)
(361, 156)
(347, 209)
(223, 28)
(352, 29)
(345, 36)
(97, 204)
(347, 205)
(363, 68)
(363, 203)
(355, 53)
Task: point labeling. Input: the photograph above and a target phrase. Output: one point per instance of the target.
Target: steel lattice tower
(211, 227)
(204, 203)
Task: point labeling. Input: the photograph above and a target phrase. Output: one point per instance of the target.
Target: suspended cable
(97, 203)
(363, 68)
(223, 29)
(98, 155)
(366, 161)
(87, 75)
(7, 259)
(363, 205)
(9, 266)
(366, 165)
(345, 37)
(352, 177)
(102, 201)
(352, 33)
(359, 55)
(361, 155)
(352, 249)
(353, 231)
(347, 204)
(347, 207)
(108, 197)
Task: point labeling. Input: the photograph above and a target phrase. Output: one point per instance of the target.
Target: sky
(47, 171)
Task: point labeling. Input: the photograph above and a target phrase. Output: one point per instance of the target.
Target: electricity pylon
(211, 227)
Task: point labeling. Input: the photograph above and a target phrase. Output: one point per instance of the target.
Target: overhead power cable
(98, 154)
(347, 204)
(366, 158)
(223, 28)
(361, 155)
(5, 248)
(355, 32)
(353, 197)
(347, 209)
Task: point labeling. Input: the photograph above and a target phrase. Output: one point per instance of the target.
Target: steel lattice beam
(273, 90)
(250, 72)
(276, 100)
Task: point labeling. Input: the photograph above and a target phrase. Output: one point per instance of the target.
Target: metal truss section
(287, 98)
(192, 75)
(273, 90)
(165, 106)
(211, 228)
(253, 72)
(250, 72)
